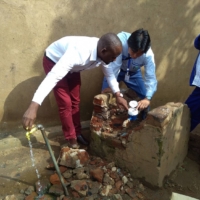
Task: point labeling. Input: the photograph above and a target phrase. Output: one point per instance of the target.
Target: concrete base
(149, 149)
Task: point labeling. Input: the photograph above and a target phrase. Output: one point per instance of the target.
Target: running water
(36, 170)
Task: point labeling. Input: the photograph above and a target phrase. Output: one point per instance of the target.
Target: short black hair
(139, 40)
(109, 40)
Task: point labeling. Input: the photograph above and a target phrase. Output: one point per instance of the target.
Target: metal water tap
(33, 129)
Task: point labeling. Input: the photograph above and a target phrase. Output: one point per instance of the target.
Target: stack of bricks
(107, 118)
(149, 149)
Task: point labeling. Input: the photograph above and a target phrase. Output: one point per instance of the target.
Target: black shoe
(145, 112)
(81, 140)
(144, 115)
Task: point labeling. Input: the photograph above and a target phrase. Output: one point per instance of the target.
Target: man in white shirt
(136, 52)
(63, 61)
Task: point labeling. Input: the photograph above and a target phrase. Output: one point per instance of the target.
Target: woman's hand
(144, 103)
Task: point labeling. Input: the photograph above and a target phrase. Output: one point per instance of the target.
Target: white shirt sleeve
(111, 72)
(60, 70)
(150, 75)
(116, 65)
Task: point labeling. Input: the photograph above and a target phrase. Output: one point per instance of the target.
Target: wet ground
(17, 173)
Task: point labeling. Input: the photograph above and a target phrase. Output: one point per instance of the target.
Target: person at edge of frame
(193, 101)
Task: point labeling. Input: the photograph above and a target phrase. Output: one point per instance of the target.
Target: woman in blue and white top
(194, 98)
(136, 53)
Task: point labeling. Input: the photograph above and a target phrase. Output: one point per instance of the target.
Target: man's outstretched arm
(121, 102)
(30, 115)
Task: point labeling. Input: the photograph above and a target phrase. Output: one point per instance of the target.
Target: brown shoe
(72, 143)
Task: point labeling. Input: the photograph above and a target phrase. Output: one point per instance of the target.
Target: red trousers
(67, 94)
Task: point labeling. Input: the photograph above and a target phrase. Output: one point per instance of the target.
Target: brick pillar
(149, 149)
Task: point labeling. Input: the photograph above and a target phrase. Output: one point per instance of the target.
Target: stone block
(73, 158)
(80, 186)
(153, 147)
(56, 190)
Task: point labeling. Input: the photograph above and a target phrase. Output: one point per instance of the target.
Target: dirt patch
(17, 173)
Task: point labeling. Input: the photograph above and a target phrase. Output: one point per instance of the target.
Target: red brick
(99, 102)
(97, 174)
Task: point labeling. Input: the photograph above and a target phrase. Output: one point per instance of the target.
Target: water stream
(39, 186)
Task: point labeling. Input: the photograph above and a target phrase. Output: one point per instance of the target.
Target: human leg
(193, 103)
(62, 95)
(74, 83)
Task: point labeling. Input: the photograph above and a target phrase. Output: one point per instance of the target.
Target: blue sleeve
(193, 73)
(197, 42)
(150, 74)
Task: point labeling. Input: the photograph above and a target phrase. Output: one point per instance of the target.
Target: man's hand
(144, 103)
(30, 116)
(121, 102)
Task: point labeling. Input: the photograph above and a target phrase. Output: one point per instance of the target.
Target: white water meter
(133, 104)
(133, 111)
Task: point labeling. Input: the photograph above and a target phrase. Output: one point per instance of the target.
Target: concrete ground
(17, 173)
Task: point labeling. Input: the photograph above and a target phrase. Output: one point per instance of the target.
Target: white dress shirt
(72, 54)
